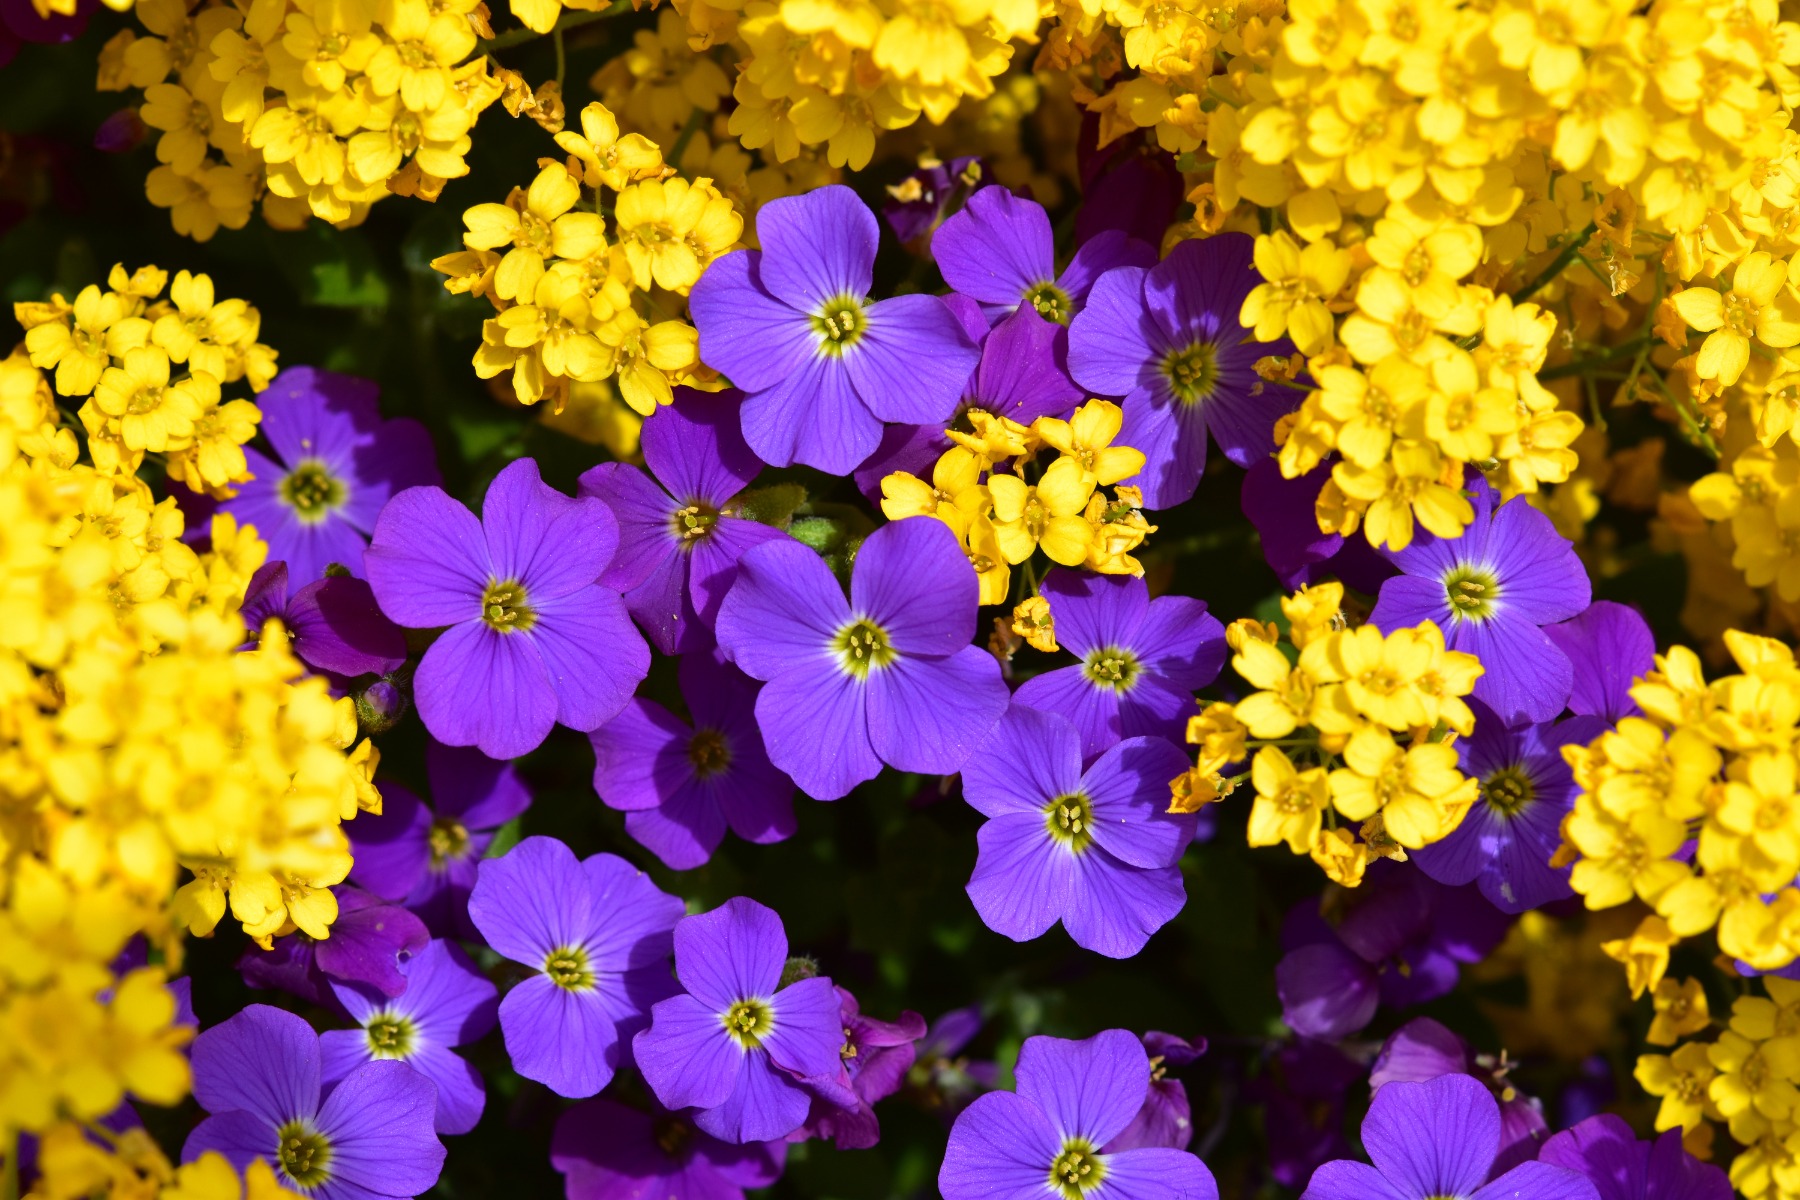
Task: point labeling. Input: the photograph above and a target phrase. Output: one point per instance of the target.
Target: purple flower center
(749, 1021)
(1070, 820)
(312, 491)
(567, 967)
(694, 522)
(1077, 1170)
(1051, 302)
(709, 753)
(848, 1050)
(1192, 372)
(1473, 592)
(840, 324)
(390, 1035)
(1508, 790)
(1111, 667)
(303, 1152)
(448, 840)
(862, 646)
(503, 607)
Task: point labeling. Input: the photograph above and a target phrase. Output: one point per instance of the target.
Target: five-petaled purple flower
(735, 1044)
(823, 365)
(1168, 341)
(334, 622)
(1423, 1049)
(607, 1151)
(597, 935)
(1047, 1139)
(533, 639)
(681, 785)
(876, 1055)
(1095, 849)
(370, 1137)
(888, 676)
(1437, 1140)
(1491, 590)
(336, 464)
(447, 1003)
(679, 542)
(1142, 660)
(1604, 1149)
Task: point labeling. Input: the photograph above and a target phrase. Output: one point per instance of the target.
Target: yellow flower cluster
(321, 107)
(1380, 712)
(72, 1165)
(575, 307)
(1003, 518)
(1710, 762)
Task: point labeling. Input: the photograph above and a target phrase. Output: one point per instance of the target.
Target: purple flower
(1604, 1149)
(336, 464)
(1491, 590)
(949, 1079)
(427, 859)
(258, 1074)
(365, 946)
(888, 676)
(20, 21)
(1505, 843)
(1610, 646)
(919, 201)
(680, 785)
(1045, 1139)
(1437, 1141)
(607, 1151)
(1168, 341)
(679, 542)
(1166, 1118)
(533, 639)
(874, 1059)
(447, 1003)
(335, 623)
(1095, 849)
(1141, 659)
(792, 325)
(1423, 1049)
(735, 1044)
(1001, 251)
(1140, 195)
(596, 935)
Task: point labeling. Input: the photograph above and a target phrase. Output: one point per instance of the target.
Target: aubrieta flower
(335, 464)
(1168, 341)
(1490, 591)
(1166, 1118)
(736, 1043)
(679, 537)
(1095, 849)
(258, 1074)
(1046, 1138)
(1422, 1049)
(823, 365)
(334, 623)
(875, 1057)
(369, 939)
(918, 202)
(533, 639)
(681, 785)
(1621, 1167)
(1437, 1141)
(596, 934)
(999, 250)
(607, 1151)
(426, 857)
(1610, 647)
(1142, 660)
(447, 1003)
(888, 676)
(1505, 842)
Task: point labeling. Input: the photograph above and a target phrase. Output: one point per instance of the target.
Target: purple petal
(663, 605)
(817, 729)
(595, 657)
(765, 1104)
(338, 627)
(1282, 511)
(531, 900)
(262, 1060)
(641, 757)
(466, 783)
(368, 940)
(396, 456)
(551, 543)
(1434, 557)
(1540, 1181)
(911, 362)
(391, 849)
(1128, 787)
(1030, 758)
(1068, 692)
(696, 450)
(817, 247)
(713, 564)
(646, 516)
(928, 715)
(1154, 707)
(1409, 600)
(1542, 579)
(735, 952)
(782, 612)
(242, 1137)
(1435, 1138)
(1173, 438)
(997, 248)
(451, 1001)
(1609, 646)
(812, 416)
(807, 1033)
(1023, 879)
(1114, 908)
(1099, 254)
(1526, 677)
(341, 1051)
(746, 333)
(1000, 1148)
(1242, 411)
(563, 1039)
(1345, 1180)
(1158, 1173)
(1197, 291)
(379, 1120)
(1180, 641)
(310, 413)
(632, 919)
(683, 832)
(1419, 1050)
(687, 1057)
(428, 562)
(1019, 376)
(1089, 1089)
(1113, 341)
(1466, 851)
(1326, 991)
(909, 448)
(479, 687)
(461, 1092)
(1096, 611)
(913, 580)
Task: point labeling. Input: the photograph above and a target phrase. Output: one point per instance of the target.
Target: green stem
(569, 20)
(1611, 354)
(9, 1171)
(691, 127)
(562, 62)
(1701, 436)
(1556, 265)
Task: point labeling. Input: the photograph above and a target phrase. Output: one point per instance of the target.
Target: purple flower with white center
(1000, 250)
(426, 857)
(1490, 591)
(1610, 647)
(447, 1003)
(887, 677)
(735, 1043)
(367, 941)
(371, 1136)
(335, 464)
(1166, 1119)
(681, 785)
(679, 540)
(1168, 341)
(1046, 1138)
(1423, 1049)
(607, 1151)
(533, 639)
(335, 624)
(596, 934)
(919, 201)
(1505, 843)
(822, 365)
(1620, 1167)
(1142, 660)
(1437, 1140)
(1095, 849)
(875, 1057)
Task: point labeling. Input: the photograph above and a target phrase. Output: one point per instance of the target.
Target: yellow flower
(607, 158)
(417, 63)
(1682, 1080)
(96, 330)
(1297, 285)
(1290, 803)
(954, 495)
(1681, 1011)
(1033, 621)
(153, 414)
(1757, 1076)
(1049, 514)
(535, 225)
(1086, 441)
(1760, 305)
(671, 229)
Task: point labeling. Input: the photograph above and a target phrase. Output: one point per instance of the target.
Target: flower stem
(1556, 265)
(9, 1170)
(562, 62)
(1607, 356)
(692, 126)
(569, 20)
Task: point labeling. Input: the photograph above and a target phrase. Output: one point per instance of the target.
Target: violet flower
(366, 944)
(1491, 590)
(1094, 849)
(595, 934)
(679, 536)
(1168, 341)
(874, 1059)
(682, 785)
(822, 365)
(1620, 1167)
(607, 1151)
(946, 1078)
(335, 625)
(426, 857)
(1073, 1098)
(1142, 660)
(1610, 647)
(1166, 1118)
(370, 1137)
(887, 677)
(533, 639)
(1423, 1049)
(918, 202)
